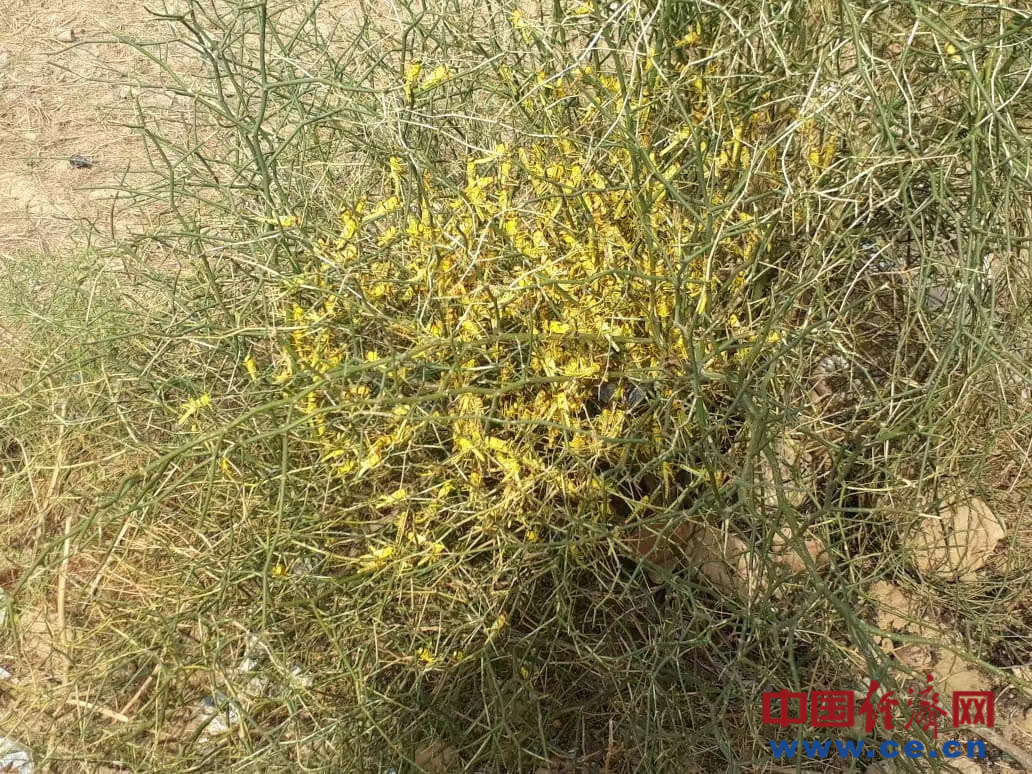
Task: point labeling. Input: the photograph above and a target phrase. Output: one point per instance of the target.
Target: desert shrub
(537, 382)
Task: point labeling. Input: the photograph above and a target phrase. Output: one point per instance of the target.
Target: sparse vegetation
(530, 390)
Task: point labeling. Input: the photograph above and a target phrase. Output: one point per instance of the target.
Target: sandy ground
(69, 87)
(64, 92)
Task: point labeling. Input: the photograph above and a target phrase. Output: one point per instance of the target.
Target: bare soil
(65, 92)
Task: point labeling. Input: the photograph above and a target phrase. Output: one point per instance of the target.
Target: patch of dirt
(957, 541)
(64, 92)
